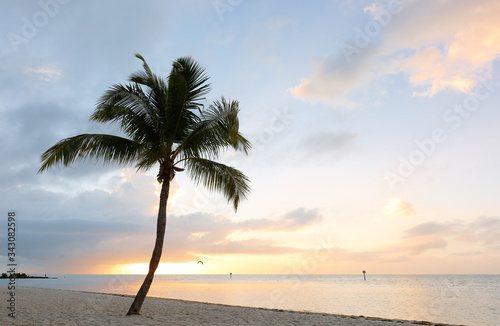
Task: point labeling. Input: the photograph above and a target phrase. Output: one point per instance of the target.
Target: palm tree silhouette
(163, 123)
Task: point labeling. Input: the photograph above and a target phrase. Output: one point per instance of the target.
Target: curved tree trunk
(136, 306)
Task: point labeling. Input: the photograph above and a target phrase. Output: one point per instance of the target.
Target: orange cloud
(461, 55)
(484, 231)
(396, 207)
(416, 246)
(333, 80)
(438, 44)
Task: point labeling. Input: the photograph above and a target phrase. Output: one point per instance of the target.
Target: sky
(375, 131)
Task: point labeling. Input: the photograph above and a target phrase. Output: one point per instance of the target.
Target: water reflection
(456, 299)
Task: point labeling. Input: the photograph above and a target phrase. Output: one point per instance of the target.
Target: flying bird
(199, 261)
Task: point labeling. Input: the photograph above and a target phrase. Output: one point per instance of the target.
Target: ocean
(454, 299)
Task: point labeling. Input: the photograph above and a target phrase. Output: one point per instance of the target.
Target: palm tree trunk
(161, 225)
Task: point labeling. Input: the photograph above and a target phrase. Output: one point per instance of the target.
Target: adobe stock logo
(40, 19)
(221, 6)
(280, 120)
(453, 119)
(364, 37)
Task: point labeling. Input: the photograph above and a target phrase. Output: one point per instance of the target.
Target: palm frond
(97, 147)
(156, 87)
(227, 111)
(217, 131)
(232, 183)
(194, 76)
(180, 114)
(146, 161)
(130, 107)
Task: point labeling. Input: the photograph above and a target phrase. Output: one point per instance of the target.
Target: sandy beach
(35, 306)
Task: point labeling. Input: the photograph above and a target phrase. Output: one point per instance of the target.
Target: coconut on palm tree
(164, 123)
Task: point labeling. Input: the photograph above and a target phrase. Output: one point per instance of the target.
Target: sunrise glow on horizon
(374, 124)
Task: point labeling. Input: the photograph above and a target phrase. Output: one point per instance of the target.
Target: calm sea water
(455, 299)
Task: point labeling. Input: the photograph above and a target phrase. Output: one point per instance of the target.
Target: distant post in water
(364, 275)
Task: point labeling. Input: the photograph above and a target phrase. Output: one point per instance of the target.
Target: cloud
(470, 253)
(395, 207)
(74, 244)
(494, 248)
(300, 218)
(484, 231)
(333, 81)
(373, 8)
(291, 221)
(339, 254)
(431, 69)
(327, 142)
(456, 46)
(112, 233)
(29, 130)
(439, 45)
(417, 246)
(248, 247)
(429, 228)
(106, 223)
(82, 226)
(194, 235)
(47, 73)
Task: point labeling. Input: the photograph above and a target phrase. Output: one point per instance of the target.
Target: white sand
(36, 306)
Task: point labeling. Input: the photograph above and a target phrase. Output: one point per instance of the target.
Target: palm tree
(163, 122)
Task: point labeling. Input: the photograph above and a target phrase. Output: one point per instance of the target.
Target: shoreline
(39, 306)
